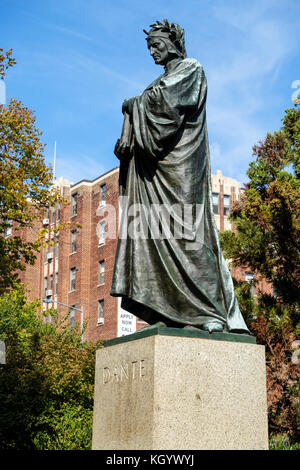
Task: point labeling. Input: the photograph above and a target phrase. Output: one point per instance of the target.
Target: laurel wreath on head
(174, 31)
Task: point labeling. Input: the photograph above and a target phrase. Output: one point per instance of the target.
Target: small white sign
(126, 321)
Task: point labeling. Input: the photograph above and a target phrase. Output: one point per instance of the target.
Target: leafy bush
(69, 427)
(46, 385)
(266, 241)
(281, 442)
(271, 322)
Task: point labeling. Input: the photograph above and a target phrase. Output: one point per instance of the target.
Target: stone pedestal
(168, 391)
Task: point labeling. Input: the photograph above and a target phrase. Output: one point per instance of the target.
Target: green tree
(47, 383)
(267, 218)
(266, 240)
(25, 183)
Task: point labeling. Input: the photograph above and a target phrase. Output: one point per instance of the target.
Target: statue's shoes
(190, 327)
(213, 325)
(210, 326)
(159, 324)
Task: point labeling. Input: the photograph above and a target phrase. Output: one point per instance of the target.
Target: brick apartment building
(77, 270)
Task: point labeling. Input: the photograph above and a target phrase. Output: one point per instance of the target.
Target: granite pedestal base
(169, 392)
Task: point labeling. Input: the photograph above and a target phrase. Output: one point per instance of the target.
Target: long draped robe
(181, 280)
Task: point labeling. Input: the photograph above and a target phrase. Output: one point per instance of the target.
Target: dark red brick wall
(31, 277)
(87, 257)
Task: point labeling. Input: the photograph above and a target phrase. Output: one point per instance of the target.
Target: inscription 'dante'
(133, 370)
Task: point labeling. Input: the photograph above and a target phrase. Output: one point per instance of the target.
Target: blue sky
(79, 59)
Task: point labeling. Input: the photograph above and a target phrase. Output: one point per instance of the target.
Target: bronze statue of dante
(173, 281)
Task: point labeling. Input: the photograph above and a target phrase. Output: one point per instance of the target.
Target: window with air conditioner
(50, 252)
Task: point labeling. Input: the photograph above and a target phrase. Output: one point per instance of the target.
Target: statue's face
(158, 50)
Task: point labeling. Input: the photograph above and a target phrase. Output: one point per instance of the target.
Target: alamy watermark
(154, 221)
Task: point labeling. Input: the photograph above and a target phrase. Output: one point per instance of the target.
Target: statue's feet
(213, 325)
(159, 324)
(192, 328)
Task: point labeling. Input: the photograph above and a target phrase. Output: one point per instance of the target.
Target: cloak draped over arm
(160, 112)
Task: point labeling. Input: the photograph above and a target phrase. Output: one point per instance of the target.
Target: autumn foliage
(47, 383)
(25, 184)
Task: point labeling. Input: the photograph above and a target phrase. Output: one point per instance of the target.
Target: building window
(45, 286)
(101, 272)
(74, 204)
(73, 241)
(226, 204)
(72, 279)
(100, 312)
(102, 194)
(72, 315)
(8, 229)
(51, 282)
(57, 246)
(50, 251)
(56, 283)
(52, 214)
(58, 212)
(102, 233)
(215, 201)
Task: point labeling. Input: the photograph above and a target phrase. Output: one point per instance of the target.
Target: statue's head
(165, 41)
